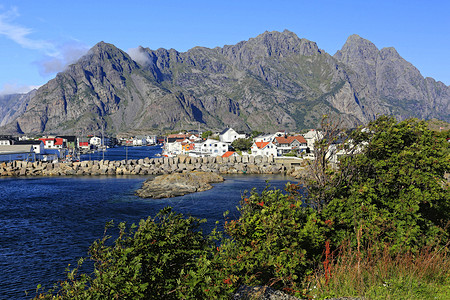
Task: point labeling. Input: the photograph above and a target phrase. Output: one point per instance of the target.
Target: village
(229, 142)
(232, 143)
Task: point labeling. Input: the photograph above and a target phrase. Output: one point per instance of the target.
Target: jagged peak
(389, 52)
(104, 47)
(355, 41)
(357, 48)
(274, 43)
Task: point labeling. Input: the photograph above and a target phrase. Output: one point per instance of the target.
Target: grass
(376, 274)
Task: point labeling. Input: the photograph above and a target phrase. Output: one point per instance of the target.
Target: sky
(40, 38)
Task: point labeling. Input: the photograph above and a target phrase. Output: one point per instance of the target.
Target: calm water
(48, 223)
(123, 152)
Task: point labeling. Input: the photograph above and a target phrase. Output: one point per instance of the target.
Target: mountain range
(271, 82)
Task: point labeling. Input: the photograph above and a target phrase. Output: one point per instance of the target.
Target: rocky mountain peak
(107, 54)
(389, 53)
(283, 43)
(274, 80)
(357, 48)
(269, 44)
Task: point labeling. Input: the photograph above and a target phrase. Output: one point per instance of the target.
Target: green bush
(394, 191)
(242, 144)
(146, 262)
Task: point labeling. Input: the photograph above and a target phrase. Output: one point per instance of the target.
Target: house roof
(261, 145)
(225, 130)
(178, 136)
(228, 154)
(69, 138)
(290, 139)
(57, 141)
(173, 140)
(4, 149)
(28, 142)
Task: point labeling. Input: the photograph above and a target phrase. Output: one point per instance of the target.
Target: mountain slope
(273, 81)
(391, 84)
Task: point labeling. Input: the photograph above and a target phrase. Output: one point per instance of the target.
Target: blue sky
(39, 38)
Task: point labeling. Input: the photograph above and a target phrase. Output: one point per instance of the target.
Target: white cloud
(68, 53)
(20, 34)
(14, 88)
(55, 56)
(139, 55)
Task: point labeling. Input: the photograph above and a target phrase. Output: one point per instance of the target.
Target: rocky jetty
(178, 184)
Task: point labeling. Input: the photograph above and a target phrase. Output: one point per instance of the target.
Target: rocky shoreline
(152, 166)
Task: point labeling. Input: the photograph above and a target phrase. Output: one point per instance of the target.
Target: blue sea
(120, 153)
(47, 223)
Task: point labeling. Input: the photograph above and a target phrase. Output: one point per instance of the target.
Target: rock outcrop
(178, 184)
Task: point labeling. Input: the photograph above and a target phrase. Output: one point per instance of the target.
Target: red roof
(178, 136)
(290, 139)
(228, 153)
(262, 145)
(56, 141)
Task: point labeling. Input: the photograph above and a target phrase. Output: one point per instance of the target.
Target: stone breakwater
(149, 166)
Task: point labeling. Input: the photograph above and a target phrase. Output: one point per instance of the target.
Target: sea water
(47, 223)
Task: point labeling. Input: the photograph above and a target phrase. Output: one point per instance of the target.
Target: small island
(178, 184)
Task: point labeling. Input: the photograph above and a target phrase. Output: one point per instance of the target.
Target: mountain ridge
(273, 81)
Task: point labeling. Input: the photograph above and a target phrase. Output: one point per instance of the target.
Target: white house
(53, 142)
(264, 149)
(174, 148)
(268, 137)
(151, 140)
(210, 147)
(229, 135)
(5, 142)
(311, 137)
(286, 144)
(95, 141)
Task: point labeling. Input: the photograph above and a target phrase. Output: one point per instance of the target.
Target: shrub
(393, 191)
(275, 242)
(145, 263)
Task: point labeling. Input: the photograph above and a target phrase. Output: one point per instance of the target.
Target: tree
(206, 134)
(322, 175)
(255, 133)
(394, 191)
(242, 144)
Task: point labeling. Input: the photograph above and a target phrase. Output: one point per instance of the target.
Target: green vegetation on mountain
(376, 227)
